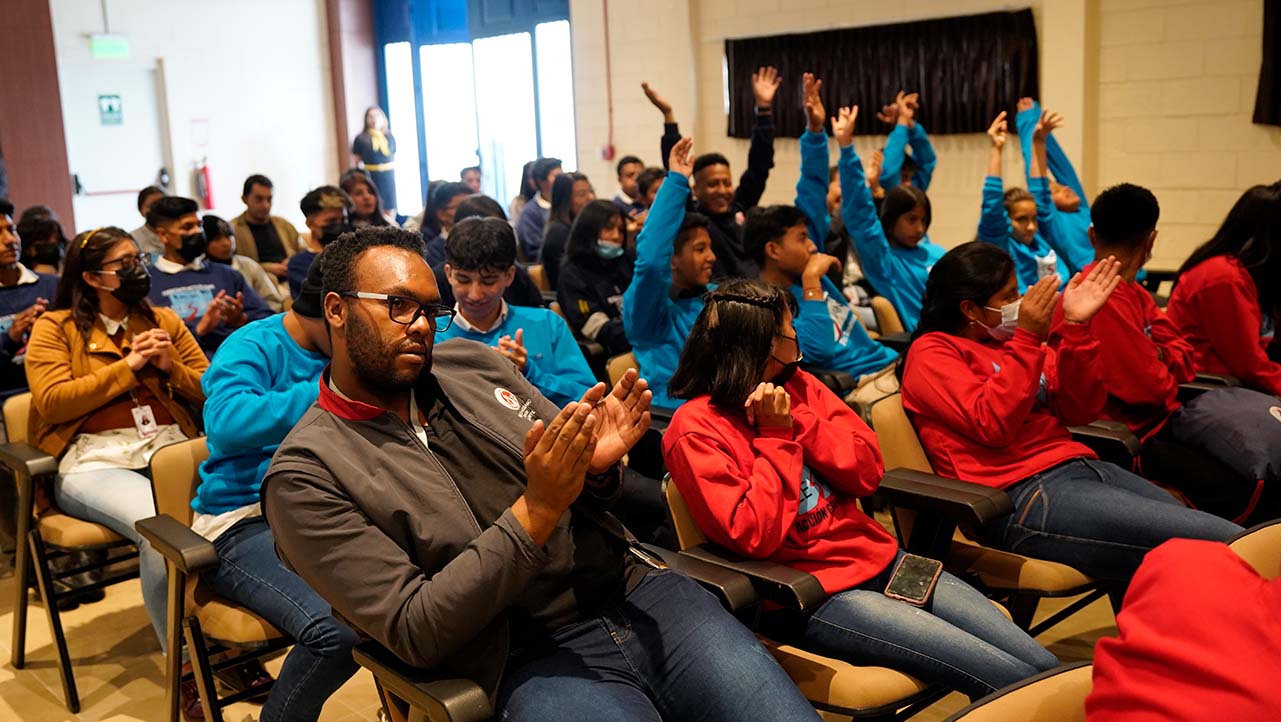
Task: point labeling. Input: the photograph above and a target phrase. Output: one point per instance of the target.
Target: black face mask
(193, 246)
(47, 254)
(786, 374)
(331, 232)
(135, 284)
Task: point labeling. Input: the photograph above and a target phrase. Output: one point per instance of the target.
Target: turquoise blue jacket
(831, 337)
(811, 186)
(1067, 233)
(994, 227)
(658, 324)
(896, 272)
(895, 151)
(256, 388)
(554, 365)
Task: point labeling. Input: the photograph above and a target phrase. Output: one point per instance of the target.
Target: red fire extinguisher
(204, 184)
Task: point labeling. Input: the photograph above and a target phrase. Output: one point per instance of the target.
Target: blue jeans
(1098, 518)
(250, 574)
(958, 639)
(116, 498)
(668, 652)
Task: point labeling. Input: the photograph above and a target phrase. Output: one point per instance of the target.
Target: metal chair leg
(173, 644)
(201, 668)
(21, 573)
(50, 597)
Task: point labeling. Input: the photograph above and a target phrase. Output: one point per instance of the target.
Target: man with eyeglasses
(480, 263)
(448, 510)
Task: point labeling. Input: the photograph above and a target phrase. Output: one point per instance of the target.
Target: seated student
(533, 217)
(1143, 359)
(772, 465)
(1017, 220)
(221, 248)
(522, 291)
(713, 187)
(211, 298)
(818, 196)
(830, 334)
(992, 403)
(260, 384)
(269, 240)
(1227, 297)
(480, 261)
(43, 242)
(674, 261)
(325, 211)
(528, 189)
(146, 238)
(1071, 220)
(24, 295)
(520, 578)
(113, 379)
(1197, 640)
(366, 206)
(898, 168)
(648, 182)
(471, 177)
(439, 218)
(594, 275)
(892, 244)
(570, 193)
(628, 198)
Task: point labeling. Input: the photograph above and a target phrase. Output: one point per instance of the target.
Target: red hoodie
(1216, 306)
(995, 414)
(1143, 358)
(786, 495)
(1199, 639)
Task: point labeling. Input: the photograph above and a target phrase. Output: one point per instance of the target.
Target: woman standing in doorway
(375, 150)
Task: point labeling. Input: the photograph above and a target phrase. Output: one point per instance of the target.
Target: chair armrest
(839, 382)
(733, 589)
(1193, 389)
(189, 551)
(1111, 440)
(660, 418)
(548, 296)
(968, 505)
(442, 699)
(591, 349)
(792, 588)
(27, 459)
(1217, 379)
(897, 341)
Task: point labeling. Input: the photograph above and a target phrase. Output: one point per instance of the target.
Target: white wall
(257, 71)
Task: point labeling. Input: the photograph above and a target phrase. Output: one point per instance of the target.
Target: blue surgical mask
(607, 250)
(1009, 321)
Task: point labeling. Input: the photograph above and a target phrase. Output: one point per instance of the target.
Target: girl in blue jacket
(1070, 234)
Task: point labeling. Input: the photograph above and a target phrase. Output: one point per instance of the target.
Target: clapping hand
(1083, 297)
(514, 349)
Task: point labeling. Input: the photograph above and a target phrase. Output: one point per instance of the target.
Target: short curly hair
(345, 251)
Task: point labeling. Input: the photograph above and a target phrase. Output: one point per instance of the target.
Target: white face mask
(1009, 321)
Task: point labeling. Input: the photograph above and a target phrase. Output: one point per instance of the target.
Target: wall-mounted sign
(109, 110)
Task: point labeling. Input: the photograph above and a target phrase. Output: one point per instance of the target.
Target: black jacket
(591, 297)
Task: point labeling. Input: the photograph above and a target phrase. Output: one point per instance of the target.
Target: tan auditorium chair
(1057, 695)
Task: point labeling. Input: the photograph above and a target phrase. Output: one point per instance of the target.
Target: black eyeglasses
(127, 262)
(406, 311)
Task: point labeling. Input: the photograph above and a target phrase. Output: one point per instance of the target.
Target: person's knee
(328, 637)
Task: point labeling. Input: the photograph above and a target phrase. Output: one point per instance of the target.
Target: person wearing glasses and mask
(213, 299)
(480, 263)
(113, 379)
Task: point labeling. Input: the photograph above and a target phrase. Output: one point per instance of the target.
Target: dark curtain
(967, 69)
(1267, 102)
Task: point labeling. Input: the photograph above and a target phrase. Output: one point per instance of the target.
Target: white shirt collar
(113, 325)
(466, 326)
(165, 265)
(25, 276)
(545, 205)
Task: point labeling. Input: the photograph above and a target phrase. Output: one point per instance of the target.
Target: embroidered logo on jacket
(507, 398)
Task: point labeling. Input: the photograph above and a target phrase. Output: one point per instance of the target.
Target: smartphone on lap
(914, 579)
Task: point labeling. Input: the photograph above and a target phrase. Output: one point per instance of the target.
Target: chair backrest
(538, 276)
(900, 447)
(17, 418)
(1054, 696)
(687, 532)
(617, 366)
(554, 306)
(886, 315)
(1260, 547)
(175, 474)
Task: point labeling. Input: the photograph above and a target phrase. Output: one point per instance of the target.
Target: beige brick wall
(1177, 81)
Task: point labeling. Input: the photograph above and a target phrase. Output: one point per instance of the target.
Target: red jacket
(1200, 639)
(1216, 306)
(1143, 358)
(995, 414)
(789, 496)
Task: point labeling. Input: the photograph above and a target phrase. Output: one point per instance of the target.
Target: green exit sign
(108, 47)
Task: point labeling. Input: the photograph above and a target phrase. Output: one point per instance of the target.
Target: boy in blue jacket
(1069, 230)
(213, 299)
(262, 381)
(480, 263)
(674, 262)
(898, 168)
(1019, 220)
(827, 329)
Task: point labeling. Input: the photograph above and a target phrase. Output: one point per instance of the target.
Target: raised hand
(815, 113)
(622, 418)
(556, 459)
(875, 160)
(1083, 297)
(1049, 121)
(1037, 307)
(843, 125)
(681, 159)
(659, 102)
(514, 349)
(765, 82)
(769, 406)
(888, 114)
(907, 103)
(1025, 104)
(998, 131)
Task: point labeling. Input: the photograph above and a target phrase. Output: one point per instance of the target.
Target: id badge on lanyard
(143, 418)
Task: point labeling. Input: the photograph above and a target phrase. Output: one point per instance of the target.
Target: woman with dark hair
(374, 150)
(594, 274)
(43, 243)
(569, 197)
(366, 205)
(772, 464)
(438, 218)
(1227, 297)
(992, 405)
(112, 380)
(528, 187)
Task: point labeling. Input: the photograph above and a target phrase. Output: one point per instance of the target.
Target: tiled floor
(118, 668)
